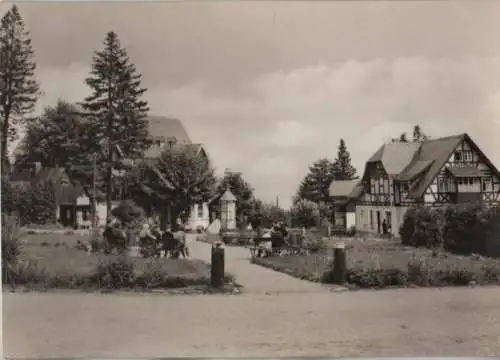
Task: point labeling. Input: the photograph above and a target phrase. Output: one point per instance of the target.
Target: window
(406, 188)
(458, 156)
(371, 219)
(467, 155)
(487, 184)
(443, 185)
(200, 210)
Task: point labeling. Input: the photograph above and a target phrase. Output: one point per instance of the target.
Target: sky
(270, 87)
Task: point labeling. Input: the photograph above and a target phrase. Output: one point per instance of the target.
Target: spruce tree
(115, 103)
(18, 89)
(343, 169)
(314, 187)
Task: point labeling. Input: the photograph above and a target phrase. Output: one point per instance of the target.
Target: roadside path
(254, 278)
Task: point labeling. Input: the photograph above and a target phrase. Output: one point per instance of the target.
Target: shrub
(33, 204)
(97, 242)
(129, 214)
(466, 229)
(147, 247)
(116, 273)
(11, 245)
(422, 226)
(314, 245)
(43, 208)
(28, 272)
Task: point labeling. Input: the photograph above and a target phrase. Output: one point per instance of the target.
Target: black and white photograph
(250, 178)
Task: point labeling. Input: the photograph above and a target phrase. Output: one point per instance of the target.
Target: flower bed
(383, 264)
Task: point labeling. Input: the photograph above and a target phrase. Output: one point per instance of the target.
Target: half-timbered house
(344, 194)
(437, 172)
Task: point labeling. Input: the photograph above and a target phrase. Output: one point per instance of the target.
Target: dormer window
(160, 141)
(172, 141)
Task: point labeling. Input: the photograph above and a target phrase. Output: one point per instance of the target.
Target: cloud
(283, 121)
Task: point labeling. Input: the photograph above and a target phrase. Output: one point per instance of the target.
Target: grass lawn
(386, 263)
(54, 259)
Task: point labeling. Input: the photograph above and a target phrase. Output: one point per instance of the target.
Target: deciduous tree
(178, 177)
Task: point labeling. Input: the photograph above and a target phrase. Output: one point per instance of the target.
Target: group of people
(276, 238)
(168, 242)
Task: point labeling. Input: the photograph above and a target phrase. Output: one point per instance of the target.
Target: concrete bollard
(339, 264)
(217, 265)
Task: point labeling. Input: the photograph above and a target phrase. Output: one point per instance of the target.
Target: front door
(379, 230)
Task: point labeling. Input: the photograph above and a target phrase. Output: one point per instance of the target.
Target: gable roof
(227, 196)
(395, 156)
(408, 161)
(414, 169)
(161, 126)
(438, 150)
(344, 188)
(65, 194)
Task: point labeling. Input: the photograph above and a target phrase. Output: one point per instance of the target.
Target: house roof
(164, 127)
(464, 171)
(344, 188)
(438, 150)
(408, 161)
(414, 169)
(66, 194)
(227, 196)
(395, 156)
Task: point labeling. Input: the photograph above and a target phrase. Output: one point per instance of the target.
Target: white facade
(366, 217)
(228, 215)
(199, 218)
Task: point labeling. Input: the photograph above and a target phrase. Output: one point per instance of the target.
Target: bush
(129, 214)
(466, 229)
(463, 229)
(11, 246)
(422, 226)
(32, 204)
(116, 273)
(385, 264)
(43, 206)
(97, 242)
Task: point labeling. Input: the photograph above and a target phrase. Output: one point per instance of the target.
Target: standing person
(168, 240)
(182, 242)
(384, 227)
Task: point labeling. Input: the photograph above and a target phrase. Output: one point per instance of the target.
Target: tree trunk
(4, 152)
(109, 170)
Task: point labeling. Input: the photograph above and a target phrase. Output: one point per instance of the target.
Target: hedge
(462, 229)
